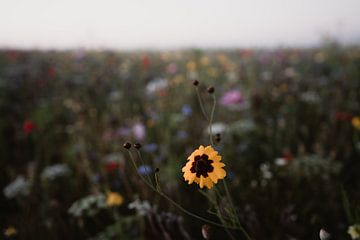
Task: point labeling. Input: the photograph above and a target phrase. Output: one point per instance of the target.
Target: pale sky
(131, 24)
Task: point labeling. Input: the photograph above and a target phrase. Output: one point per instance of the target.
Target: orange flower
(204, 167)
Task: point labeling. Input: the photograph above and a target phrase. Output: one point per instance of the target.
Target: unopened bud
(127, 145)
(195, 82)
(211, 90)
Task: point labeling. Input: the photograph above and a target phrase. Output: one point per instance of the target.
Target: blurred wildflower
(290, 72)
(310, 97)
(142, 207)
(88, 205)
(144, 170)
(145, 62)
(206, 231)
(156, 85)
(204, 61)
(343, 116)
(354, 231)
(191, 66)
(217, 128)
(324, 235)
(356, 122)
(171, 68)
(204, 167)
(114, 199)
(20, 186)
(245, 125)
(55, 171)
(10, 232)
(114, 96)
(186, 110)
(231, 98)
(113, 161)
(181, 135)
(265, 170)
(139, 131)
(152, 147)
(28, 127)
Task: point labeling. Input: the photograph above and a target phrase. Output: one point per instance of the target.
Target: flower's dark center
(202, 165)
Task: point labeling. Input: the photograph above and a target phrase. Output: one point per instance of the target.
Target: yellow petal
(191, 178)
(213, 177)
(220, 173)
(208, 183)
(201, 182)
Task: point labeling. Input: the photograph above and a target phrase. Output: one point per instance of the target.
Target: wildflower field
(190, 144)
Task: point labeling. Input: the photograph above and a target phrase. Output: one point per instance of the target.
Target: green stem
(201, 104)
(211, 119)
(143, 163)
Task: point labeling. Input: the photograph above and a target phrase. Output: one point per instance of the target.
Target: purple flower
(231, 98)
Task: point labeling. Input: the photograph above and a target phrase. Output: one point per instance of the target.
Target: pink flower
(139, 131)
(171, 68)
(232, 98)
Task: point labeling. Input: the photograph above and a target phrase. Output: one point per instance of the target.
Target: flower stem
(201, 104)
(211, 120)
(143, 163)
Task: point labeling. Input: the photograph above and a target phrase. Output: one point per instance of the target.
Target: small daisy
(204, 167)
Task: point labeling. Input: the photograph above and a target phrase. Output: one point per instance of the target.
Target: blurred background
(80, 78)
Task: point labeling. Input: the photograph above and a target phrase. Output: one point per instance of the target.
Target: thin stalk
(201, 104)
(232, 206)
(211, 119)
(143, 163)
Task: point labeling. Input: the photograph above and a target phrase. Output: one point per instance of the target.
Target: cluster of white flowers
(20, 186)
(55, 171)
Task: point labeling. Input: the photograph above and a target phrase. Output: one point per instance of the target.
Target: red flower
(145, 62)
(287, 155)
(28, 127)
(111, 166)
(343, 116)
(51, 72)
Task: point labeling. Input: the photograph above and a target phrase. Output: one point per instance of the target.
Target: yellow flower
(356, 122)
(10, 231)
(191, 66)
(354, 231)
(204, 167)
(114, 199)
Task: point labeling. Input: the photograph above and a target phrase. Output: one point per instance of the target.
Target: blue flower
(186, 110)
(144, 170)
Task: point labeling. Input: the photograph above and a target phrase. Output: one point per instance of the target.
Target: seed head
(127, 145)
(195, 82)
(137, 145)
(211, 90)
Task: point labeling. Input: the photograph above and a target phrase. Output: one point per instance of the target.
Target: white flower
(324, 235)
(156, 85)
(55, 171)
(217, 128)
(20, 186)
(142, 207)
